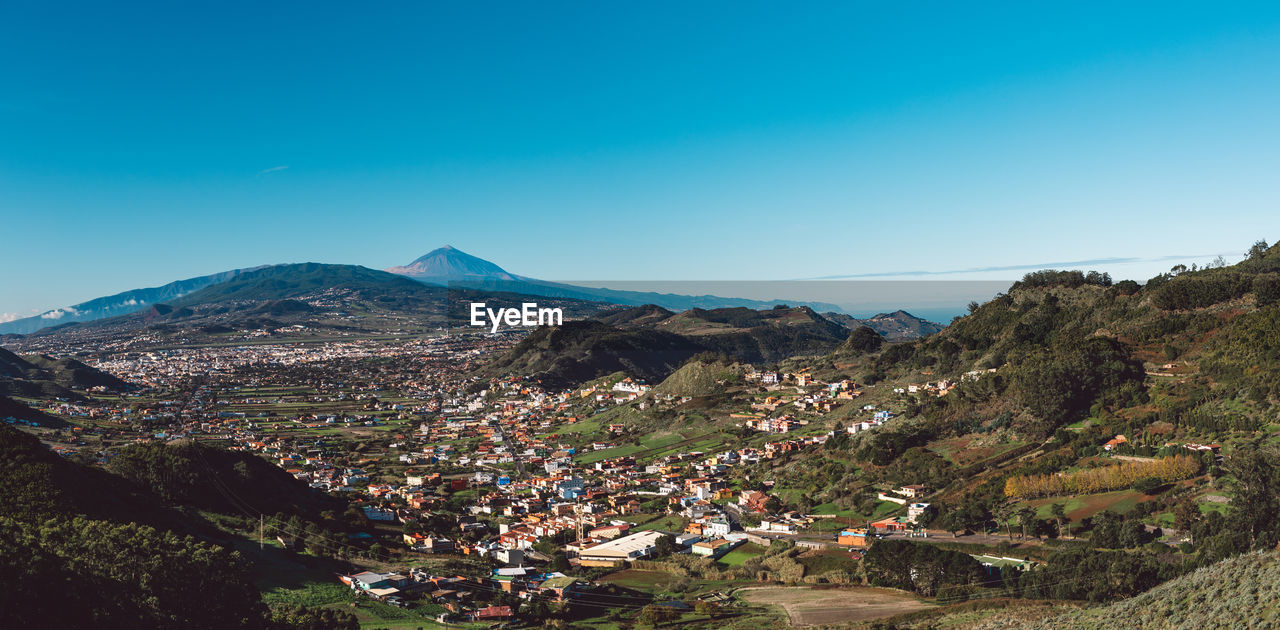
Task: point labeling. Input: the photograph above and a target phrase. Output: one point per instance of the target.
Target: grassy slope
(1243, 591)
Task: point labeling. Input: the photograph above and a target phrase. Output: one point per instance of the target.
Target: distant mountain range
(296, 301)
(402, 287)
(118, 304)
(451, 267)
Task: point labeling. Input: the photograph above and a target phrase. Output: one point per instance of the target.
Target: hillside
(1243, 591)
(279, 282)
(697, 378)
(896, 326)
(1136, 420)
(115, 305)
(297, 301)
(38, 375)
(83, 547)
(650, 343)
(580, 351)
(10, 408)
(645, 316)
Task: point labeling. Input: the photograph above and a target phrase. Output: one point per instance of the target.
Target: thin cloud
(9, 317)
(272, 170)
(1025, 267)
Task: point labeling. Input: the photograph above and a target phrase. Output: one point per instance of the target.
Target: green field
(666, 523)
(1084, 506)
(638, 579)
(743, 553)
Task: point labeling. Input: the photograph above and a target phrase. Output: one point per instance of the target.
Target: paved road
(515, 454)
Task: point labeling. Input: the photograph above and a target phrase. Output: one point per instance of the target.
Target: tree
(773, 505)
(1060, 384)
(954, 522)
(1148, 485)
(1005, 514)
(560, 562)
(652, 615)
(1257, 251)
(1059, 513)
(307, 618)
(80, 573)
(1186, 516)
(1257, 497)
(1025, 516)
(664, 546)
(1266, 289)
(537, 609)
(923, 568)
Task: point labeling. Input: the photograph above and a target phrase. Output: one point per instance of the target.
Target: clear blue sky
(142, 143)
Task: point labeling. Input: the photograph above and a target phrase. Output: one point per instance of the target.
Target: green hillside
(646, 342)
(83, 547)
(1240, 592)
(42, 376)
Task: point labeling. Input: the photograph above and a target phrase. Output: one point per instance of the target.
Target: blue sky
(142, 143)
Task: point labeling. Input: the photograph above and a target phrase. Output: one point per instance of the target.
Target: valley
(374, 463)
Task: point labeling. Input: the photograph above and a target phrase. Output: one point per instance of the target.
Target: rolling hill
(580, 351)
(42, 376)
(650, 342)
(896, 326)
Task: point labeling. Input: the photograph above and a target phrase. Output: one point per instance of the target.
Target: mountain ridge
(121, 303)
(447, 267)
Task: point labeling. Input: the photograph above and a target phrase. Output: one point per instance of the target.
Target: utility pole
(259, 532)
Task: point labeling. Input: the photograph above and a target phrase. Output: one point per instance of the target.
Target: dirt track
(807, 606)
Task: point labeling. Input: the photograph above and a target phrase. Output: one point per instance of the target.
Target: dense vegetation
(1219, 596)
(80, 547)
(82, 573)
(922, 568)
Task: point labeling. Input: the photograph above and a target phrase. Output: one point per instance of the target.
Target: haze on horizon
(157, 142)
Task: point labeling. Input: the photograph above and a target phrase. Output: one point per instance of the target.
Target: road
(515, 454)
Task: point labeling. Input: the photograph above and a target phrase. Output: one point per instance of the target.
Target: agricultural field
(807, 606)
(1083, 506)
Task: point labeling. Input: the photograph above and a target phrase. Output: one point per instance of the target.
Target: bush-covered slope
(42, 376)
(1240, 592)
(580, 351)
(81, 547)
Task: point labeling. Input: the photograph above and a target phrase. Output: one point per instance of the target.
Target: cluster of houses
(936, 388)
(810, 395)
(464, 597)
